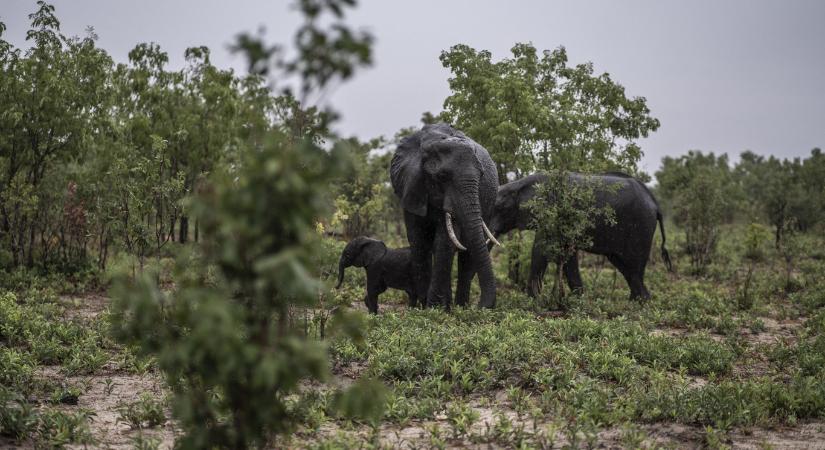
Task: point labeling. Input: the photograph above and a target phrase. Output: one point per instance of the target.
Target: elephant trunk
(476, 242)
(342, 265)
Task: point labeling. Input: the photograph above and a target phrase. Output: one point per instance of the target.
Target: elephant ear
(407, 175)
(526, 189)
(371, 251)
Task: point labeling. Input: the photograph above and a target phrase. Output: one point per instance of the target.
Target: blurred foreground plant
(228, 348)
(225, 338)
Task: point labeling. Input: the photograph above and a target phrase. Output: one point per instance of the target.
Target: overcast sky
(722, 76)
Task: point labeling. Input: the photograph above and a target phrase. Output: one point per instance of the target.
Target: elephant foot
(578, 290)
(435, 300)
(642, 298)
(438, 304)
(534, 288)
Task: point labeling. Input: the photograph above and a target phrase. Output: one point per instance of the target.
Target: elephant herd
(452, 202)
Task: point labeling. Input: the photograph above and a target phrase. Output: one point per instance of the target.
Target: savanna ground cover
(697, 366)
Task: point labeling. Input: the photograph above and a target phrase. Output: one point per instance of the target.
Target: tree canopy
(536, 110)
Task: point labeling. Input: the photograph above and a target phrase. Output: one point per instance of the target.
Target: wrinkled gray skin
(386, 268)
(626, 244)
(436, 170)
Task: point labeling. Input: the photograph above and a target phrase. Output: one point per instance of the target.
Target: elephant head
(442, 174)
(510, 212)
(360, 252)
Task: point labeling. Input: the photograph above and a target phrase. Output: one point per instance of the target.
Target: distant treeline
(787, 194)
(97, 156)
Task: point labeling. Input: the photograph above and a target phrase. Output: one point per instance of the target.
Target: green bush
(39, 328)
(146, 412)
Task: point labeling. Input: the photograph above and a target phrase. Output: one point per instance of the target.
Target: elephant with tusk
(454, 239)
(447, 185)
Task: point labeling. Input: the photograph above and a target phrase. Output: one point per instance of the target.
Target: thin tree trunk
(30, 256)
(560, 278)
(183, 232)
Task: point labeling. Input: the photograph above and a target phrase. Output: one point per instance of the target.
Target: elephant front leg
(465, 277)
(538, 265)
(371, 301)
(440, 292)
(420, 237)
(412, 299)
(374, 289)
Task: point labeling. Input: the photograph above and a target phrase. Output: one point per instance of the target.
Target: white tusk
(489, 234)
(451, 232)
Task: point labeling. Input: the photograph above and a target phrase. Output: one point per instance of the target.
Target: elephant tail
(660, 219)
(665, 254)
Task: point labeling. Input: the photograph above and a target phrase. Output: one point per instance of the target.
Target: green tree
(698, 189)
(50, 95)
(364, 198)
(535, 111)
(812, 177)
(777, 188)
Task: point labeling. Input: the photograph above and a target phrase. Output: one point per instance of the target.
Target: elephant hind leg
(538, 266)
(572, 274)
(638, 275)
(633, 275)
(638, 291)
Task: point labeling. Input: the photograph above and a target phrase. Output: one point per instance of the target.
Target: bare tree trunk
(560, 278)
(30, 257)
(183, 232)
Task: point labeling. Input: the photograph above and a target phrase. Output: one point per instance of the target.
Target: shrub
(146, 412)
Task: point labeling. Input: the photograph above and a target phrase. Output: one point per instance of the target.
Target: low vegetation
(606, 369)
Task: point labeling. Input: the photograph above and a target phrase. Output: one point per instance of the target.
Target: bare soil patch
(87, 306)
(125, 388)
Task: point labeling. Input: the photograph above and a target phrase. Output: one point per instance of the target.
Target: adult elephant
(447, 184)
(626, 243)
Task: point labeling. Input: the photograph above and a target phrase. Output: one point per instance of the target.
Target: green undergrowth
(531, 373)
(41, 344)
(689, 355)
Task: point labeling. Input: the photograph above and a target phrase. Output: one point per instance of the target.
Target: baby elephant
(386, 268)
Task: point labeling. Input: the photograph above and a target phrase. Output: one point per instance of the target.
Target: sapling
(755, 236)
(790, 248)
(562, 212)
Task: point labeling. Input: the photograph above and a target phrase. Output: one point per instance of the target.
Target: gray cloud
(721, 76)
